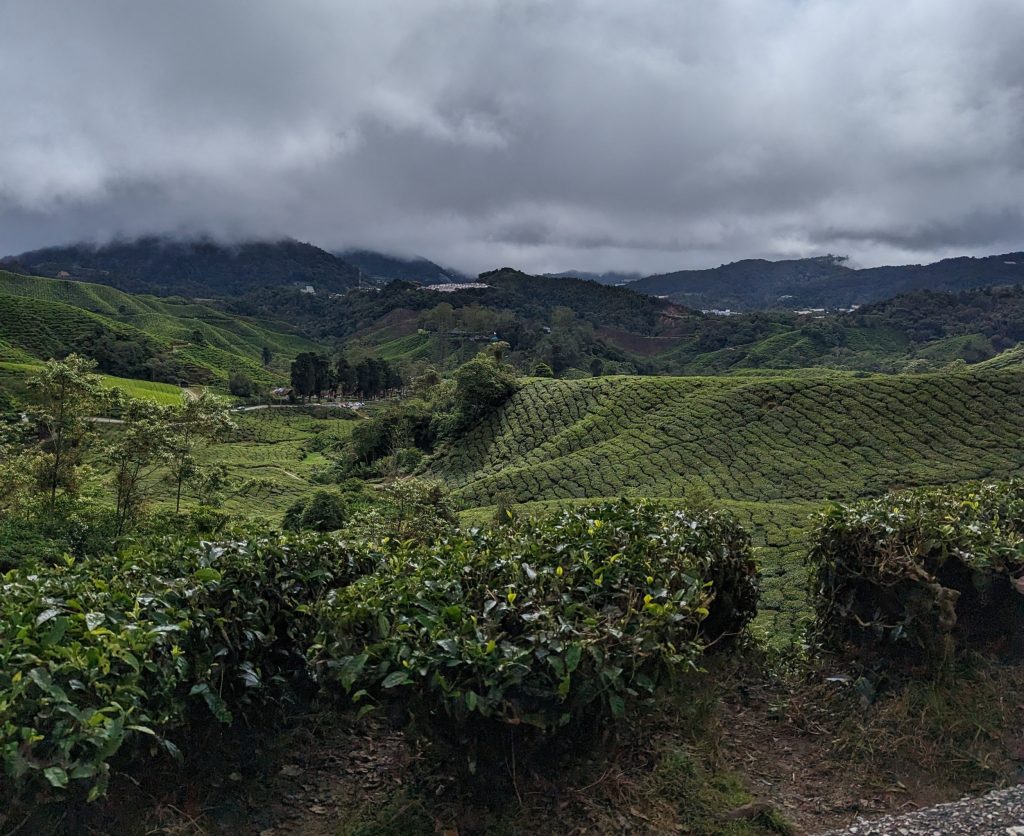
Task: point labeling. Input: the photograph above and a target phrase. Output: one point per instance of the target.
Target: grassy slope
(38, 315)
(775, 448)
(13, 376)
(282, 447)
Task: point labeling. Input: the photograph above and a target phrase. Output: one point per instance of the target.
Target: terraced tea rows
(754, 439)
(773, 449)
(42, 318)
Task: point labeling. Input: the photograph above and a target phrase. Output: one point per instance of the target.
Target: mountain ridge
(197, 267)
(824, 281)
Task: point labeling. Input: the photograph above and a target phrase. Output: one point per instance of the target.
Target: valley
(512, 434)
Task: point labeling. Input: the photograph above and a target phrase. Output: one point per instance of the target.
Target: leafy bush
(241, 385)
(545, 623)
(407, 509)
(923, 568)
(482, 385)
(40, 534)
(121, 651)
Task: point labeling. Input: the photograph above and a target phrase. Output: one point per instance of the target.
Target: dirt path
(999, 813)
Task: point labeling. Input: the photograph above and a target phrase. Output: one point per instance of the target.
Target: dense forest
(199, 267)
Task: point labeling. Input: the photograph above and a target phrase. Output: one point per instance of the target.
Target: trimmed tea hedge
(741, 438)
(572, 616)
(925, 568)
(549, 621)
(119, 651)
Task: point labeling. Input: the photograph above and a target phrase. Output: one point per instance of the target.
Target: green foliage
(773, 448)
(924, 568)
(196, 423)
(542, 369)
(162, 339)
(481, 385)
(404, 424)
(36, 532)
(546, 623)
(66, 394)
(406, 510)
(310, 374)
(240, 385)
(142, 446)
(327, 510)
(121, 652)
(746, 439)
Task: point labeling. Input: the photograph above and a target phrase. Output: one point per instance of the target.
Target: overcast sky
(592, 134)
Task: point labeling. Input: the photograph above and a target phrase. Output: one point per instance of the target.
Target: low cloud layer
(591, 134)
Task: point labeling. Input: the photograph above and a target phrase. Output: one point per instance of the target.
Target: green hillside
(757, 439)
(138, 336)
(774, 448)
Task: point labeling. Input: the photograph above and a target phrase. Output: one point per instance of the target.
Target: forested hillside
(579, 328)
(383, 268)
(823, 282)
(199, 267)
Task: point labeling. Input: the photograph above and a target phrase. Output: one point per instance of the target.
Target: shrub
(119, 652)
(406, 509)
(545, 623)
(241, 385)
(923, 569)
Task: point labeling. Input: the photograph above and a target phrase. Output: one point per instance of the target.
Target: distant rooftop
(451, 287)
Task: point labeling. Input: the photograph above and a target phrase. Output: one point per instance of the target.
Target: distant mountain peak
(384, 267)
(194, 266)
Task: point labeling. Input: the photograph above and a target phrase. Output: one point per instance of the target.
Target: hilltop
(567, 323)
(823, 282)
(578, 327)
(384, 268)
(200, 267)
(612, 278)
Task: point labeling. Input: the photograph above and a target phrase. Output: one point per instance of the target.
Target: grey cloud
(547, 134)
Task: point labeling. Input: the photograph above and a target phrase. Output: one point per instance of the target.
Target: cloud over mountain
(651, 135)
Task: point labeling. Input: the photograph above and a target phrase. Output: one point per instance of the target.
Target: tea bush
(543, 623)
(926, 569)
(120, 651)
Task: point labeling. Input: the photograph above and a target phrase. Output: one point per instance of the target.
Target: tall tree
(266, 355)
(67, 394)
(142, 446)
(345, 374)
(323, 375)
(310, 374)
(197, 422)
(303, 374)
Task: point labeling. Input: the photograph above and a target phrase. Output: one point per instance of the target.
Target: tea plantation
(775, 449)
(42, 318)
